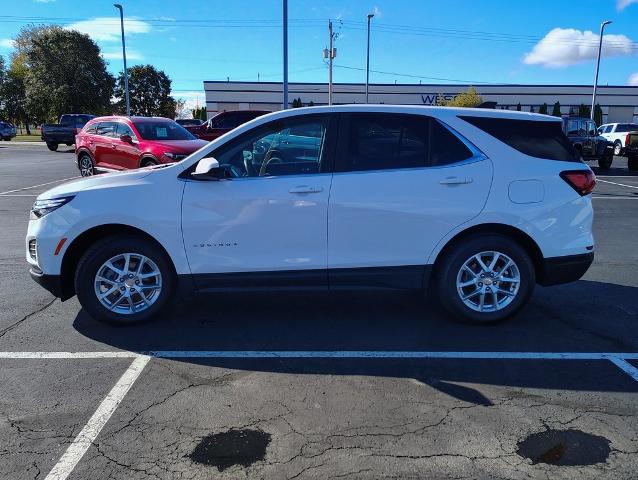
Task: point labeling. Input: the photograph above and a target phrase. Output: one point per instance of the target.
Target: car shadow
(584, 316)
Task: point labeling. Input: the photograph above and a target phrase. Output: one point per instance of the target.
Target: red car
(223, 122)
(121, 143)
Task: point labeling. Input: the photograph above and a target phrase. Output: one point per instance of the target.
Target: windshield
(162, 130)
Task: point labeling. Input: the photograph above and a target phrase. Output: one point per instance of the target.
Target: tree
(556, 110)
(14, 98)
(64, 72)
(598, 115)
(149, 91)
(471, 98)
(543, 109)
(531, 108)
(199, 113)
(297, 103)
(584, 110)
(311, 103)
(518, 107)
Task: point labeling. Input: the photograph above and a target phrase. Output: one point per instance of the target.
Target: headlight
(44, 207)
(175, 156)
(169, 155)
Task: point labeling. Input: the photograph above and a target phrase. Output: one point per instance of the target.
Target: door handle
(455, 181)
(305, 189)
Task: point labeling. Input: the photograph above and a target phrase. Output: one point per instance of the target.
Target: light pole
(285, 6)
(128, 104)
(600, 47)
(370, 15)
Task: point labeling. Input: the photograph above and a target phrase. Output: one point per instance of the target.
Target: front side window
(285, 147)
(591, 129)
(226, 120)
(162, 130)
(572, 127)
(124, 129)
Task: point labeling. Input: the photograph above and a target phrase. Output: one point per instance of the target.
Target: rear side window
(626, 127)
(541, 139)
(390, 141)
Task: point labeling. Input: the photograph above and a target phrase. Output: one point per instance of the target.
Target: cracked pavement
(365, 418)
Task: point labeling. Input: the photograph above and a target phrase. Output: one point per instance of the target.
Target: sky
(412, 41)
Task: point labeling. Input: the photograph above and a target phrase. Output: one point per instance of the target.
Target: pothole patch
(565, 448)
(234, 447)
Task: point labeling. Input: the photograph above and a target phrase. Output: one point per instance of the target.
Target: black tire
(85, 158)
(450, 265)
(617, 148)
(148, 162)
(632, 163)
(108, 248)
(52, 146)
(604, 163)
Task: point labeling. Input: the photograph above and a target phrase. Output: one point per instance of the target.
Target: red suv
(223, 122)
(121, 143)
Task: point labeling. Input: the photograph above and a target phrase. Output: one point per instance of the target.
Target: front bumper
(557, 270)
(52, 283)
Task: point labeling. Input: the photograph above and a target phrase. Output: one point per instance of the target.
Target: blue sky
(433, 41)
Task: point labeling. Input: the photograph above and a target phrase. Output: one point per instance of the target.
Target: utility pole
(600, 47)
(330, 53)
(285, 5)
(370, 15)
(128, 104)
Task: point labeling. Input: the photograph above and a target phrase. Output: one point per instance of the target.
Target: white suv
(616, 133)
(479, 205)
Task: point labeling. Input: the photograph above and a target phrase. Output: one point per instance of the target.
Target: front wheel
(52, 146)
(485, 279)
(124, 279)
(85, 164)
(148, 162)
(604, 162)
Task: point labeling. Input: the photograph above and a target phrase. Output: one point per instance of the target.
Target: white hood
(110, 180)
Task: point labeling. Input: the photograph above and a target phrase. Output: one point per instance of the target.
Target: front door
(265, 224)
(401, 183)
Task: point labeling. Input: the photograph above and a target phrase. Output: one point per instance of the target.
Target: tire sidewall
(107, 248)
(86, 155)
(455, 258)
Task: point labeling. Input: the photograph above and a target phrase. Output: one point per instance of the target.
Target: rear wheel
(632, 163)
(52, 146)
(124, 279)
(485, 279)
(85, 164)
(617, 148)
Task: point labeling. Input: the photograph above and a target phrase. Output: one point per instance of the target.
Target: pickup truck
(590, 145)
(222, 123)
(64, 132)
(615, 133)
(631, 150)
(7, 131)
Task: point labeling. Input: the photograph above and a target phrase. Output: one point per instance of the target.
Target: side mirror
(207, 168)
(126, 138)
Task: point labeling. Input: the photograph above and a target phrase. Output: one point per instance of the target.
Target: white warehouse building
(618, 103)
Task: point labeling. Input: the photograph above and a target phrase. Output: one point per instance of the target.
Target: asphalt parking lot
(319, 386)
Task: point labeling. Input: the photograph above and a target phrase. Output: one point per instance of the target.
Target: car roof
(111, 118)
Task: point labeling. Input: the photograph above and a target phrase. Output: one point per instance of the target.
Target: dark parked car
(122, 143)
(64, 132)
(583, 134)
(223, 122)
(7, 131)
(631, 150)
(189, 122)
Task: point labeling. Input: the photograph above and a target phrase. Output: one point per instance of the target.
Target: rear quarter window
(536, 138)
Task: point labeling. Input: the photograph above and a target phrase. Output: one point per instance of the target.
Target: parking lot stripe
(625, 366)
(40, 185)
(68, 355)
(616, 183)
(89, 433)
(613, 197)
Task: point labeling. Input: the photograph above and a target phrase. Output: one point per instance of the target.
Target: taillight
(583, 181)
(627, 140)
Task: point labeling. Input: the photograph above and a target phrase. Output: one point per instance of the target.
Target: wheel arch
(82, 150)
(83, 241)
(148, 156)
(516, 234)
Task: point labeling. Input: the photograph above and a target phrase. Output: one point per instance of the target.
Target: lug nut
(480, 284)
(132, 290)
(122, 288)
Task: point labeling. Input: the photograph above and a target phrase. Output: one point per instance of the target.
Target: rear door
(401, 183)
(104, 145)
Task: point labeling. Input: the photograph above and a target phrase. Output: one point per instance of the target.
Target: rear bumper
(52, 283)
(557, 270)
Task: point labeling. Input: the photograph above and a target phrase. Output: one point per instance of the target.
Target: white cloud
(567, 46)
(6, 43)
(117, 54)
(107, 29)
(622, 4)
(633, 79)
(376, 11)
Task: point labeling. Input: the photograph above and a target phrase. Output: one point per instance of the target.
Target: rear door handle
(305, 189)
(455, 181)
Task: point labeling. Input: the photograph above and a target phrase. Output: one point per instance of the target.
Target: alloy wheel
(488, 281)
(86, 166)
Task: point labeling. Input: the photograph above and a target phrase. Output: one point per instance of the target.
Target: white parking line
(70, 355)
(40, 185)
(616, 183)
(89, 433)
(612, 197)
(18, 195)
(626, 367)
